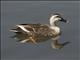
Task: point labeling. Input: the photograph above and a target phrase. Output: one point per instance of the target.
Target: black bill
(63, 20)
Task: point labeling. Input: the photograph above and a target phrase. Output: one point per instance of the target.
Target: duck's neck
(54, 26)
(53, 23)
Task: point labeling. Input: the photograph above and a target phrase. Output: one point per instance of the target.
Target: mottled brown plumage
(38, 32)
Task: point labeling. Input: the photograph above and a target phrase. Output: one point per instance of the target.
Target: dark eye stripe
(57, 16)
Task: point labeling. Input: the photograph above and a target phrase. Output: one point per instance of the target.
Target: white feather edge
(23, 28)
(23, 41)
(14, 30)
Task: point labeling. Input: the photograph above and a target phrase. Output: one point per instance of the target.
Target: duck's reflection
(24, 38)
(21, 37)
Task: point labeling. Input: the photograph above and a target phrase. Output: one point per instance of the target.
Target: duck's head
(56, 18)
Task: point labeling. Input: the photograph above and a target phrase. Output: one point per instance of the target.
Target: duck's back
(36, 28)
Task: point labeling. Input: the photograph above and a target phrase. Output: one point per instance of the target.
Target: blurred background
(17, 12)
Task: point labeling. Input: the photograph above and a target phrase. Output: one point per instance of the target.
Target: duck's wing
(24, 28)
(34, 31)
(30, 28)
(41, 30)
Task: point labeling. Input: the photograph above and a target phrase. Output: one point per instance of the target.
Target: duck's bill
(63, 20)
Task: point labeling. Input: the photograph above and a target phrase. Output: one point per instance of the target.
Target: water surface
(16, 12)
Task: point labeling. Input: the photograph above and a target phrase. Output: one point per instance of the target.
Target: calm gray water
(16, 12)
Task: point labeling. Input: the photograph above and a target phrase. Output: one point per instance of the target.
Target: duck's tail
(14, 30)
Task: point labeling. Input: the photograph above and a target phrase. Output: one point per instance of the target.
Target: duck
(36, 33)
